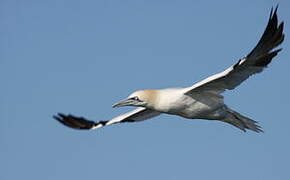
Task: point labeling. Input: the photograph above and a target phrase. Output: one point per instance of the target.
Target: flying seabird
(202, 100)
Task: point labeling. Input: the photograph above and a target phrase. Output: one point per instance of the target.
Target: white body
(174, 101)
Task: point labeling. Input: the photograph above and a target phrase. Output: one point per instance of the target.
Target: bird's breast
(186, 106)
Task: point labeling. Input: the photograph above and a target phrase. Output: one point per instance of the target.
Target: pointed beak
(126, 102)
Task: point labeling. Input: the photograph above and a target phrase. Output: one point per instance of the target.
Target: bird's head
(142, 98)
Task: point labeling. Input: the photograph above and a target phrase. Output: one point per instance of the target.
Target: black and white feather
(253, 63)
(138, 114)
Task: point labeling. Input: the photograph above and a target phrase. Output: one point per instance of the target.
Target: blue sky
(80, 57)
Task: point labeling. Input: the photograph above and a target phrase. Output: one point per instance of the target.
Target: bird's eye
(135, 98)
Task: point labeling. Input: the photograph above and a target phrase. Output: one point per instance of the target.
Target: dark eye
(135, 98)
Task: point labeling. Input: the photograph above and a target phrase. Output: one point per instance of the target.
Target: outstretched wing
(138, 114)
(253, 63)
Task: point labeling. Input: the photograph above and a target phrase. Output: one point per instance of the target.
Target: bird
(202, 100)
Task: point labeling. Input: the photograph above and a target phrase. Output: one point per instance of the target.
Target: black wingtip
(278, 50)
(272, 37)
(276, 8)
(271, 13)
(282, 25)
(275, 11)
(61, 115)
(74, 122)
(57, 117)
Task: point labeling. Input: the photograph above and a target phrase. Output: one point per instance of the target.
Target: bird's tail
(236, 119)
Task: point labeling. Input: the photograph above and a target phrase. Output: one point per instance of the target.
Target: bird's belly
(193, 109)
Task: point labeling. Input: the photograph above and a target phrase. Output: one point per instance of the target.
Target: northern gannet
(203, 100)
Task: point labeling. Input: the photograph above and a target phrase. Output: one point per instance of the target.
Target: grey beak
(126, 102)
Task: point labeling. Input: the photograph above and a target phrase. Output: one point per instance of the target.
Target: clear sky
(80, 57)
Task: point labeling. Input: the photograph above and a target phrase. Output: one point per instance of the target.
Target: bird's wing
(253, 63)
(138, 114)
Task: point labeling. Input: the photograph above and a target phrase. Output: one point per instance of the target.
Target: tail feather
(236, 119)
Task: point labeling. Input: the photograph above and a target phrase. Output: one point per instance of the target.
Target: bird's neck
(162, 100)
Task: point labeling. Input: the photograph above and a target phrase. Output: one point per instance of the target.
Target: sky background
(80, 57)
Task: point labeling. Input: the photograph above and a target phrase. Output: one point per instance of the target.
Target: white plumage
(203, 100)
